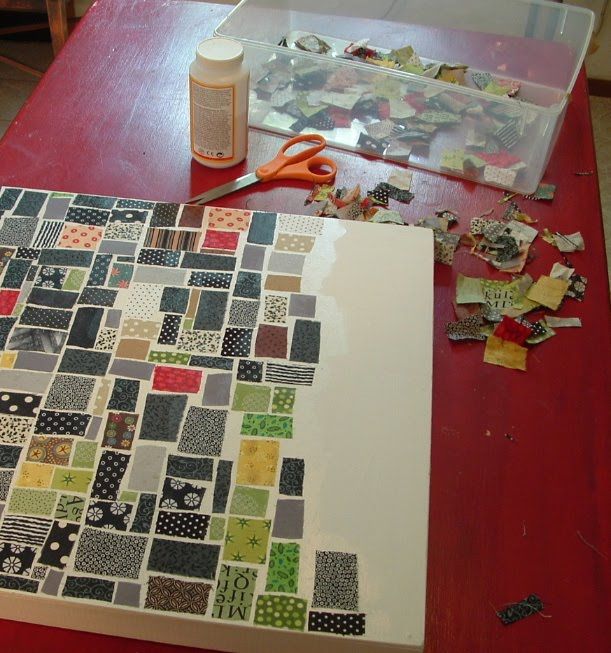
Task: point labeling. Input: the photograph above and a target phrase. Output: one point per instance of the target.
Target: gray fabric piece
(302, 305)
(286, 262)
(253, 257)
(288, 523)
(127, 594)
(37, 361)
(25, 381)
(117, 247)
(147, 467)
(132, 369)
(93, 428)
(52, 582)
(113, 318)
(217, 391)
(165, 276)
(56, 208)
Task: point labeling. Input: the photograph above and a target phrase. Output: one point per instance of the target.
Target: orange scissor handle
(299, 165)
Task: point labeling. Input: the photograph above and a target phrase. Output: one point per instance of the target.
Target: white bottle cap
(220, 52)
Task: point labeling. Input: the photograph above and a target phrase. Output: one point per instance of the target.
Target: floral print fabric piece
(180, 495)
(112, 515)
(172, 595)
(120, 430)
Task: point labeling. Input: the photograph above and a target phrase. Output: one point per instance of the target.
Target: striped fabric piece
(48, 233)
(294, 374)
(508, 134)
(174, 239)
(29, 530)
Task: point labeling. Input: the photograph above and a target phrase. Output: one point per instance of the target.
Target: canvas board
(214, 424)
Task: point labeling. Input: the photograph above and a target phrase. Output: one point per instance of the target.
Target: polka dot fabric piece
(231, 219)
(76, 237)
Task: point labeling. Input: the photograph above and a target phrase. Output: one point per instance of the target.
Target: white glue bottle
(218, 84)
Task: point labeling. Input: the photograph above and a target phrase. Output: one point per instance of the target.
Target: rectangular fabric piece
(105, 553)
(211, 310)
(197, 261)
(184, 558)
(305, 346)
(162, 417)
(262, 228)
(336, 581)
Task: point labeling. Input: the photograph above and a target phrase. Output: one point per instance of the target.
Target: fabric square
(19, 403)
(294, 243)
(281, 612)
(99, 270)
(162, 417)
(141, 329)
(248, 284)
(143, 520)
(46, 317)
(269, 426)
(249, 501)
(302, 305)
(133, 348)
(213, 362)
(180, 495)
(6, 478)
(283, 400)
(34, 475)
(164, 214)
(106, 339)
(8, 198)
(577, 287)
(176, 379)
(94, 589)
(174, 300)
(52, 298)
(9, 456)
(70, 507)
(247, 540)
(221, 218)
(6, 324)
(283, 283)
(234, 593)
(64, 423)
(84, 237)
(169, 329)
(262, 228)
(170, 357)
(8, 299)
(120, 430)
(16, 559)
(73, 480)
(163, 257)
(191, 216)
(192, 559)
(16, 273)
(336, 581)
(24, 529)
(305, 346)
(288, 522)
(243, 313)
(204, 279)
(123, 231)
(338, 623)
(13, 429)
(94, 201)
(191, 468)
(223, 240)
(111, 515)
(217, 531)
(217, 390)
(203, 431)
(59, 544)
(85, 327)
(173, 595)
(236, 342)
(505, 353)
(25, 501)
(18, 232)
(50, 277)
(144, 298)
(291, 477)
(271, 341)
(548, 291)
(222, 483)
(250, 371)
(98, 297)
(19, 584)
(283, 568)
(120, 275)
(276, 308)
(48, 233)
(67, 257)
(251, 398)
(110, 472)
(258, 462)
(107, 553)
(53, 451)
(69, 392)
(211, 309)
(78, 361)
(172, 239)
(286, 263)
(84, 454)
(253, 257)
(182, 524)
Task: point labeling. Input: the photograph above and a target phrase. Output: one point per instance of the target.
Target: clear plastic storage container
(481, 94)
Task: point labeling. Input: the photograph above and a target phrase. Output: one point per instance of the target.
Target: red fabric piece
(271, 341)
(383, 109)
(415, 100)
(513, 331)
(8, 299)
(192, 216)
(227, 240)
(499, 159)
(175, 379)
(341, 117)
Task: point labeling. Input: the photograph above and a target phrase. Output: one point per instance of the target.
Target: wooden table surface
(508, 516)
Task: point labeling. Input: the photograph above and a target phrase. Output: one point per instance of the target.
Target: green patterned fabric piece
(25, 501)
(251, 397)
(268, 426)
(74, 280)
(283, 400)
(70, 507)
(173, 357)
(234, 593)
(84, 454)
(216, 531)
(249, 501)
(127, 496)
(281, 612)
(75, 480)
(283, 568)
(246, 540)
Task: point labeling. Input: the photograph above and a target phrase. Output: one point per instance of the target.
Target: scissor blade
(225, 189)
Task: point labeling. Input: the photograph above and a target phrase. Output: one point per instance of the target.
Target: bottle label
(212, 121)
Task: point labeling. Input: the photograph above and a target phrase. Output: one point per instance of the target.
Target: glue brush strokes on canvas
(176, 438)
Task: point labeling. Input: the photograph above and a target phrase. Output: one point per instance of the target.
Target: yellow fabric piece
(7, 359)
(35, 475)
(505, 353)
(548, 291)
(258, 462)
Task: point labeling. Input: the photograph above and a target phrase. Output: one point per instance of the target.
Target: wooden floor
(16, 86)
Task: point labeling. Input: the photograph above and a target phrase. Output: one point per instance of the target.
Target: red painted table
(508, 516)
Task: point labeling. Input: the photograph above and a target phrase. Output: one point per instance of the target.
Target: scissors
(300, 165)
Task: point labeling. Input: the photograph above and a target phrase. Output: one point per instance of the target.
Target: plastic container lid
(220, 52)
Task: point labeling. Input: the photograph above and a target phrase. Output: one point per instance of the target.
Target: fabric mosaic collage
(131, 335)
